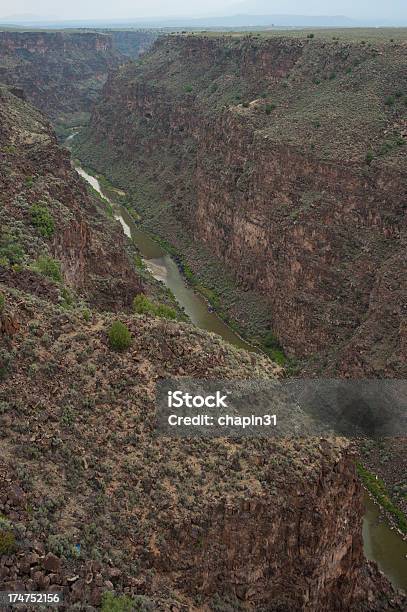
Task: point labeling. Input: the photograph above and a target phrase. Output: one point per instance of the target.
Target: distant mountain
(228, 21)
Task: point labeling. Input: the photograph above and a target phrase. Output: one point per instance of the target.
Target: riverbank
(384, 545)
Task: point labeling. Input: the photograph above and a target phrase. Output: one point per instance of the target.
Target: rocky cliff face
(286, 157)
(62, 73)
(46, 212)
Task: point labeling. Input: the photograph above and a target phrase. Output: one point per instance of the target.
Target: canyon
(276, 157)
(62, 73)
(229, 523)
(281, 183)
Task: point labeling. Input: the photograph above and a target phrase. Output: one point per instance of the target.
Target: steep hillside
(55, 238)
(59, 72)
(285, 158)
(92, 500)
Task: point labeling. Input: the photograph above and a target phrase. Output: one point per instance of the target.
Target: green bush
(166, 312)
(7, 542)
(49, 267)
(11, 252)
(389, 101)
(270, 108)
(86, 313)
(2, 302)
(113, 603)
(273, 349)
(67, 298)
(311, 35)
(119, 336)
(42, 219)
(143, 305)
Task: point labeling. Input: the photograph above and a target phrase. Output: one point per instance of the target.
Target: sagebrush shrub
(47, 266)
(119, 336)
(42, 219)
(143, 305)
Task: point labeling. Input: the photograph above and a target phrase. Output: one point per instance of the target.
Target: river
(163, 268)
(381, 543)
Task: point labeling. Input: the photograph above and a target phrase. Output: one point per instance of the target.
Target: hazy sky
(83, 9)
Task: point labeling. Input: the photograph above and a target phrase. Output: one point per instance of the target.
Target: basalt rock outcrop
(286, 158)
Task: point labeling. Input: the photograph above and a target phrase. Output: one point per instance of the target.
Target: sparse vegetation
(270, 108)
(369, 157)
(119, 336)
(377, 488)
(49, 267)
(2, 302)
(11, 251)
(143, 305)
(42, 219)
(7, 537)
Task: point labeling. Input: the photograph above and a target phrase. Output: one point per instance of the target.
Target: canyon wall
(62, 73)
(46, 211)
(133, 43)
(286, 158)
